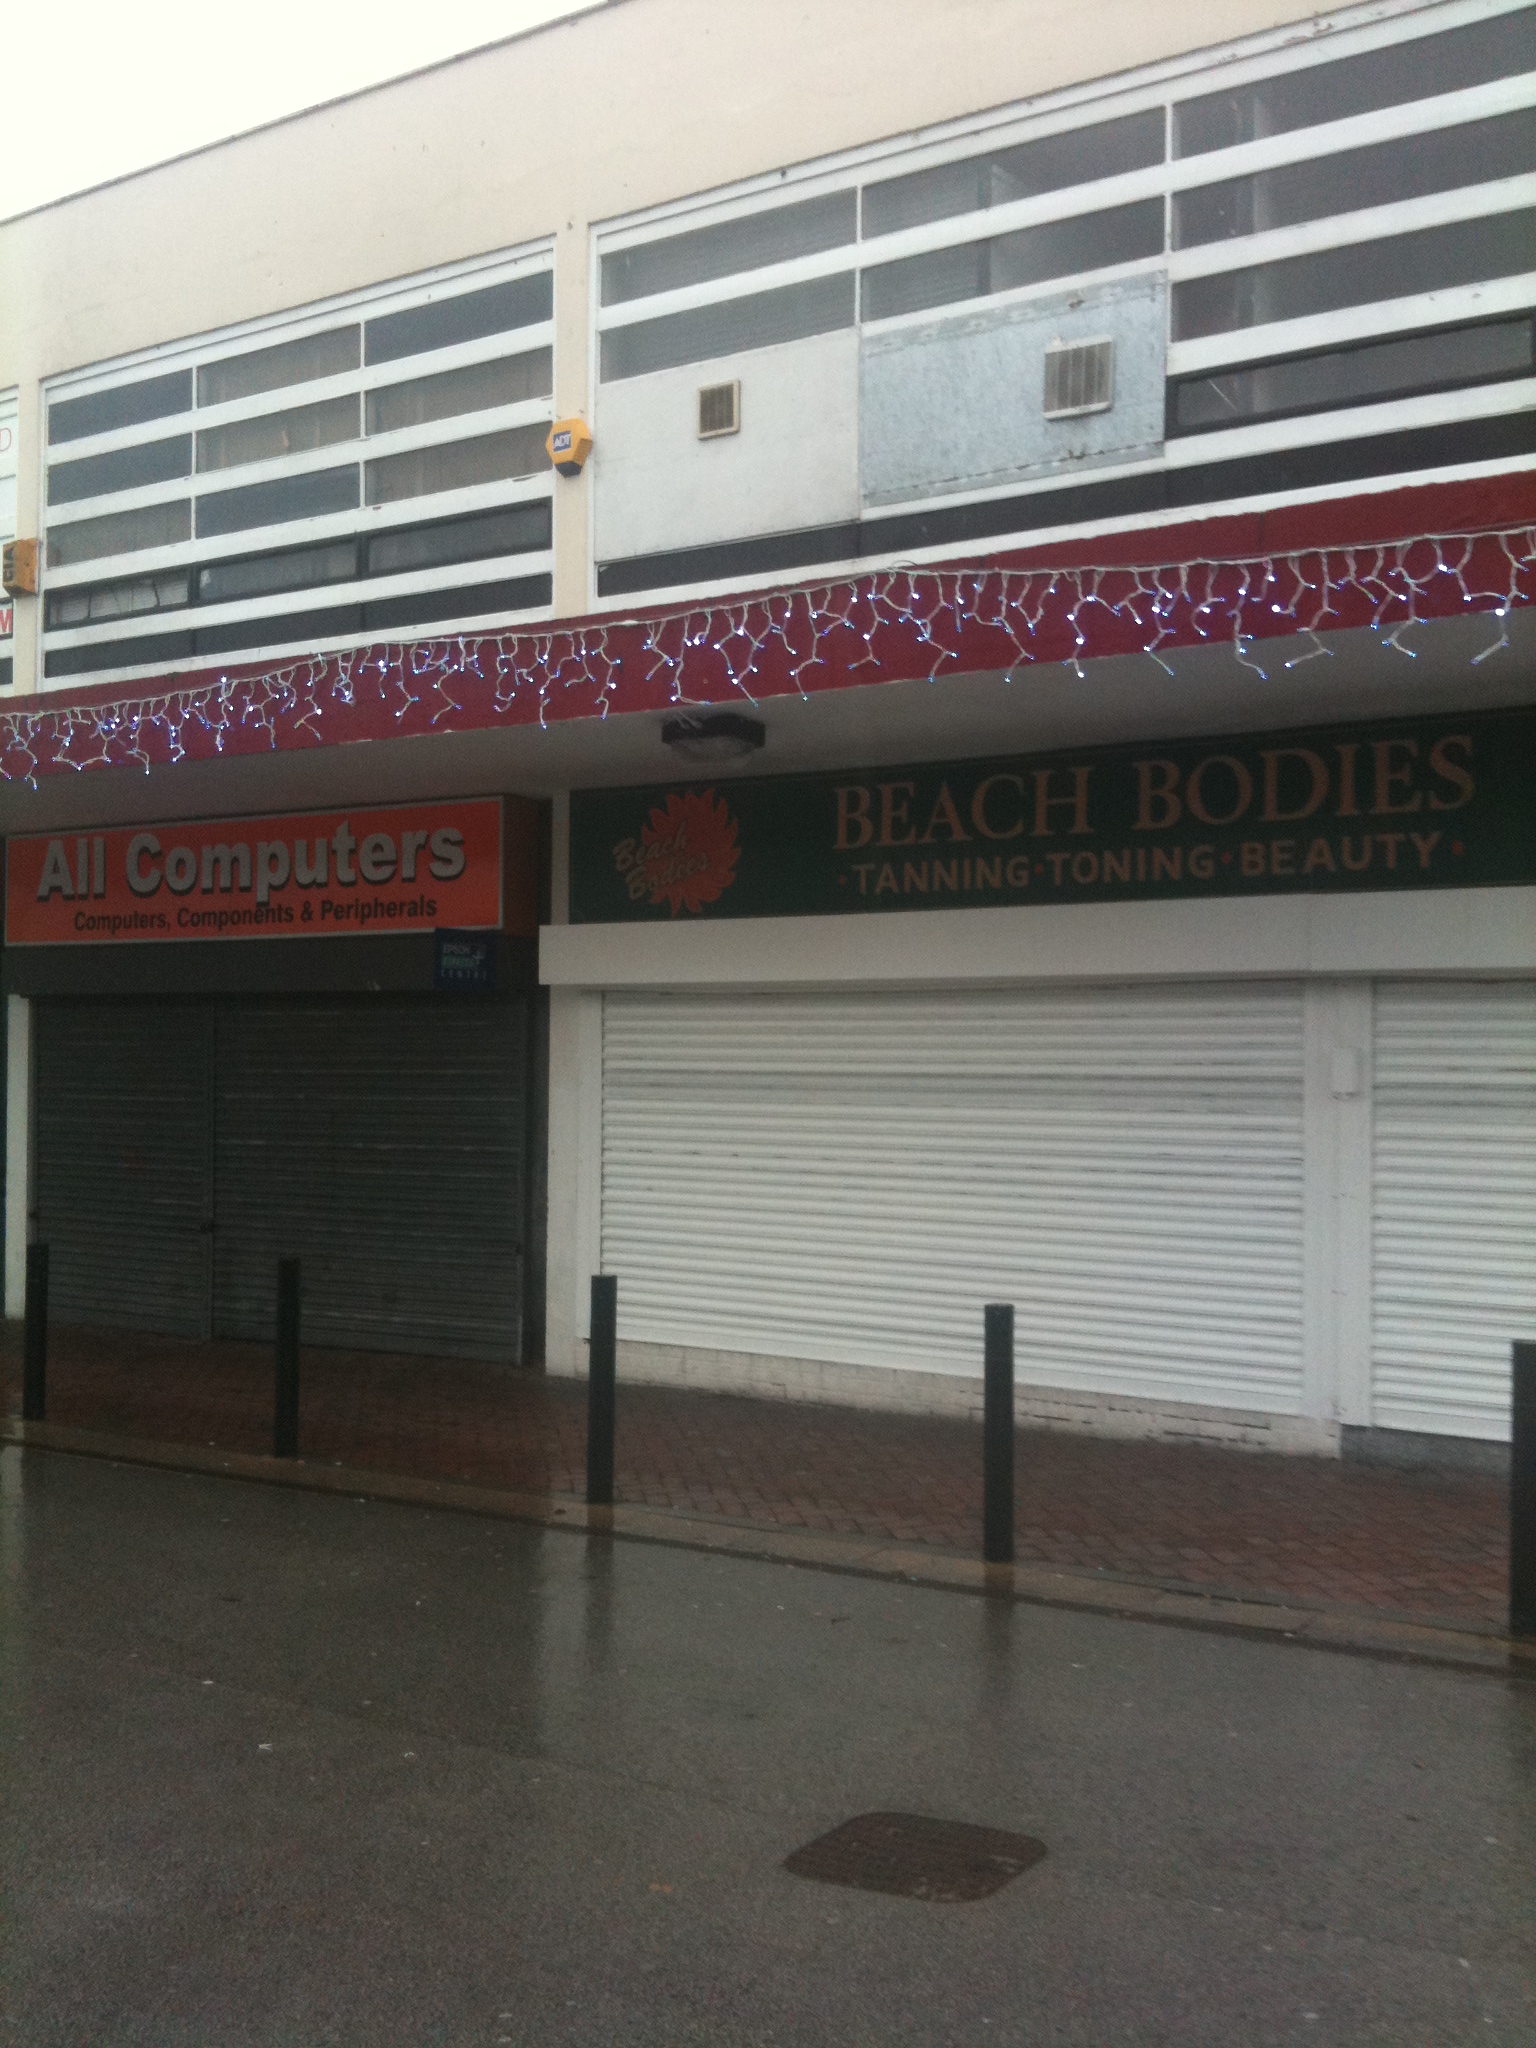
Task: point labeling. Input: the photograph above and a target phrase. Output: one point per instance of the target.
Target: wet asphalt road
(286, 1769)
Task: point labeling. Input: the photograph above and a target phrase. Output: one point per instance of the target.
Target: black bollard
(1522, 1493)
(285, 1405)
(34, 1368)
(997, 1436)
(601, 1376)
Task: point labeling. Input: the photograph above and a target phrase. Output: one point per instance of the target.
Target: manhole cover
(908, 1854)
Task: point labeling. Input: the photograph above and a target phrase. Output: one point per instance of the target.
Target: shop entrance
(183, 1147)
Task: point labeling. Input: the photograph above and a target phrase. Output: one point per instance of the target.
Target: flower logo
(685, 856)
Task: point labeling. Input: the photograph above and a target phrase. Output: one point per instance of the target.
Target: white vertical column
(1354, 1139)
(575, 563)
(588, 1233)
(575, 1172)
(1336, 1217)
(18, 1150)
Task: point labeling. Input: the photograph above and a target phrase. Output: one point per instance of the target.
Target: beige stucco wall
(633, 104)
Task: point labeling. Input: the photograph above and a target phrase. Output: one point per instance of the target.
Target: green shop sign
(1420, 803)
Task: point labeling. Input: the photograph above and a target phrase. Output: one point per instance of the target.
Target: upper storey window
(1438, 119)
(1415, 69)
(386, 455)
(1412, 167)
(1029, 170)
(730, 246)
(1334, 220)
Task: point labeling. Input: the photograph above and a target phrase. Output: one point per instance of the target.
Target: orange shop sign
(331, 874)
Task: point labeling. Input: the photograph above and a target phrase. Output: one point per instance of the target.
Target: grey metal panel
(383, 1144)
(123, 1162)
(955, 403)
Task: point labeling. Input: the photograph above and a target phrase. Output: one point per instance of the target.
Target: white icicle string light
(892, 611)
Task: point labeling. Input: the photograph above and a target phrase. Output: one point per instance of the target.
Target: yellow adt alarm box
(569, 445)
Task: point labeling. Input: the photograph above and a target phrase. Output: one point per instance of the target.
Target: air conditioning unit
(719, 410)
(1079, 378)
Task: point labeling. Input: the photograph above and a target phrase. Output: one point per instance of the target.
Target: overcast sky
(101, 87)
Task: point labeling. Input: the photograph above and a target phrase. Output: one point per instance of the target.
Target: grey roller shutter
(124, 1163)
(1454, 1202)
(850, 1177)
(382, 1143)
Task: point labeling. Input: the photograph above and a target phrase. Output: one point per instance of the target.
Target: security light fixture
(714, 736)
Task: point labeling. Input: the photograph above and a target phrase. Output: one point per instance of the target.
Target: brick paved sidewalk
(1411, 1544)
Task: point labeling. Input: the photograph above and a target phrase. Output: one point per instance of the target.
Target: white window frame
(1349, 32)
(190, 353)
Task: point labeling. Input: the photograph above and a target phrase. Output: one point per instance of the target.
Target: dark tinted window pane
(1504, 147)
(935, 279)
(474, 389)
(152, 398)
(1023, 172)
(119, 533)
(293, 627)
(446, 321)
(1386, 369)
(261, 575)
(1217, 213)
(288, 497)
(731, 246)
(517, 530)
(278, 433)
(7, 672)
(148, 650)
(935, 194)
(460, 464)
(1500, 48)
(1091, 241)
(816, 307)
(331, 622)
(1058, 248)
(475, 601)
(1433, 259)
(125, 600)
(289, 362)
(125, 469)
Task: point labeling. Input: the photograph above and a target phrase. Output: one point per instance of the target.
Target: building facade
(1006, 774)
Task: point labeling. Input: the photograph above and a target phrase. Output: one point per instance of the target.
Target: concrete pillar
(574, 579)
(575, 1137)
(1336, 1197)
(575, 1173)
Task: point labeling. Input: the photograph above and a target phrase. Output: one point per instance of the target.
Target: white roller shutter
(849, 1177)
(1454, 1202)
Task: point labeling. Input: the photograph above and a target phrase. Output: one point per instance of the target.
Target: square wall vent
(719, 410)
(1079, 378)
